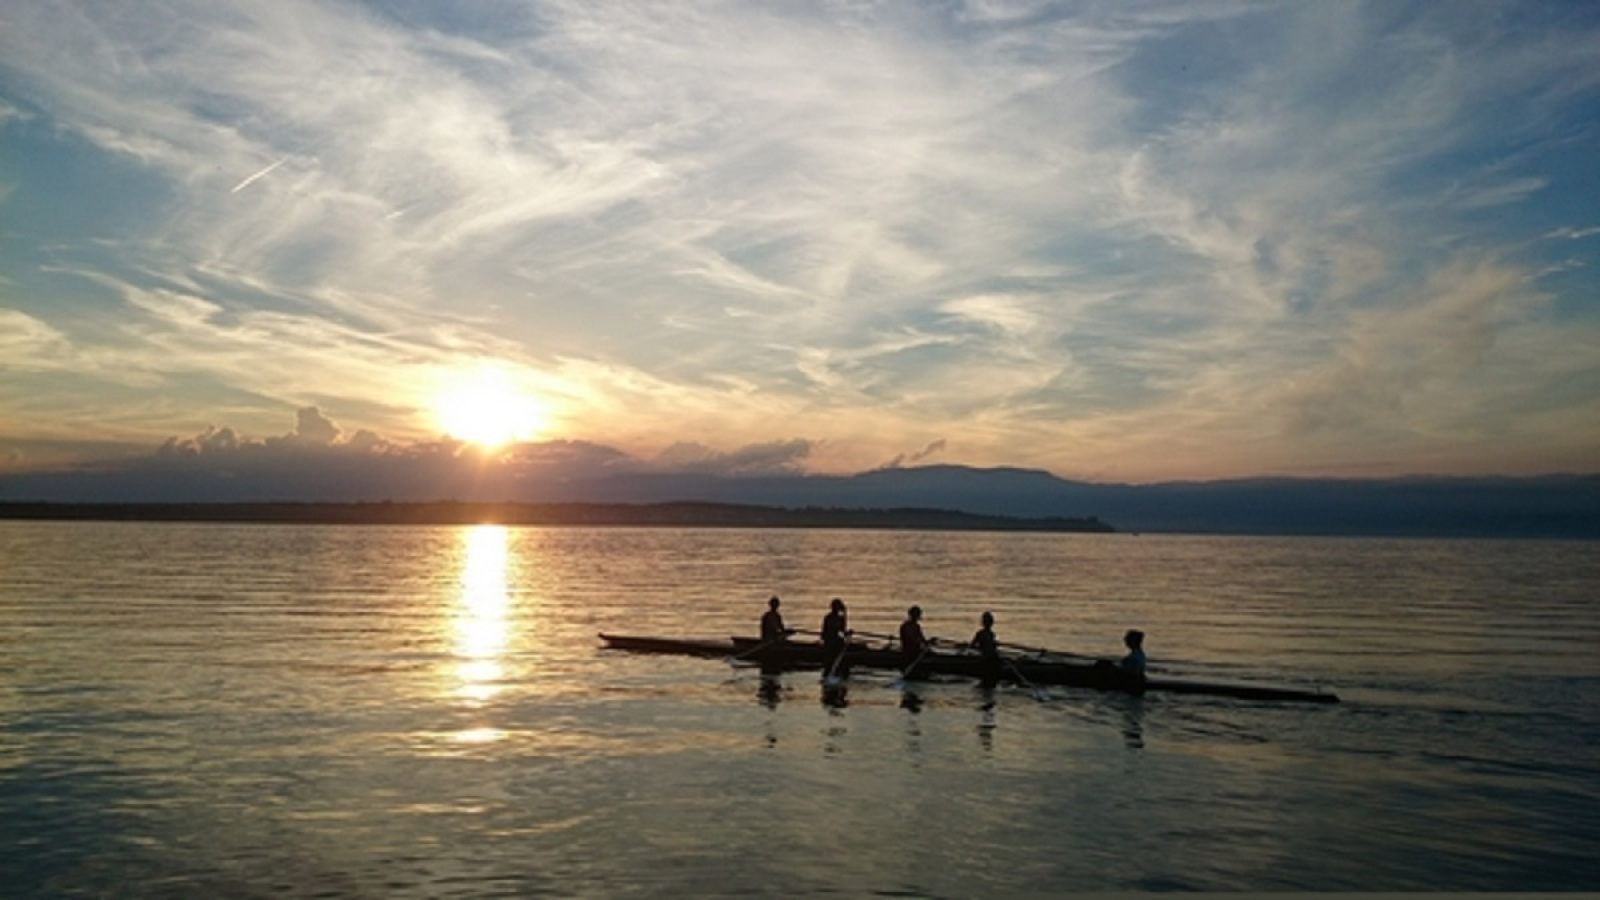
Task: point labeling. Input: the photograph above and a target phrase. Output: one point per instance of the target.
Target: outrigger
(1034, 666)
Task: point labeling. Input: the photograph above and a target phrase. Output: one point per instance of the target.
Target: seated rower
(772, 627)
(835, 627)
(835, 639)
(912, 640)
(988, 648)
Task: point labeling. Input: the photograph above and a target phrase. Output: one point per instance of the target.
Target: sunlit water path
(375, 712)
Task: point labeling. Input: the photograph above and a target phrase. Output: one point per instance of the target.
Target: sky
(1117, 241)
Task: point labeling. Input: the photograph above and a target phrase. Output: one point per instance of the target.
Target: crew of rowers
(914, 644)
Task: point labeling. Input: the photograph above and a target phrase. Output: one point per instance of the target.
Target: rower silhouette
(773, 630)
(913, 643)
(988, 648)
(835, 640)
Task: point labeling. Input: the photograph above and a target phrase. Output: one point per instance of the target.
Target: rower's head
(837, 605)
(988, 619)
(914, 613)
(1134, 639)
(773, 603)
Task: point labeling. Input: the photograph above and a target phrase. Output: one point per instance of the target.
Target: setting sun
(486, 407)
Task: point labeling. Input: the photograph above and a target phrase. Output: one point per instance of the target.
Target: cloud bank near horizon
(1111, 240)
(321, 460)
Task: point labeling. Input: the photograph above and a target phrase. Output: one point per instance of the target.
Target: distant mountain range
(680, 514)
(1557, 506)
(1543, 507)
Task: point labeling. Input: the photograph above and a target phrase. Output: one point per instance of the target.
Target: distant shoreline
(671, 514)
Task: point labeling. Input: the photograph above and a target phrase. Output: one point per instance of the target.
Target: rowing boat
(1033, 668)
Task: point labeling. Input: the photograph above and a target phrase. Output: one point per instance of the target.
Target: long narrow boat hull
(1022, 669)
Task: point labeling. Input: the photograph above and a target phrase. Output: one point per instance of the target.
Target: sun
(485, 407)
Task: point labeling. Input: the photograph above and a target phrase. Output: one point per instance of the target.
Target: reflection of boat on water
(770, 693)
(1029, 669)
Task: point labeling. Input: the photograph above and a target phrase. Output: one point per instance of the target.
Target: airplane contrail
(248, 181)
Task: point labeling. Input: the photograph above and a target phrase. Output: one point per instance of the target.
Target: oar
(854, 633)
(1038, 693)
(830, 678)
(737, 658)
(1043, 651)
(899, 684)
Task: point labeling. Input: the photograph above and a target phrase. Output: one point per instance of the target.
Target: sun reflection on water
(482, 619)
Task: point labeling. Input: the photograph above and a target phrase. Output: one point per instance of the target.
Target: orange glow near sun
(486, 407)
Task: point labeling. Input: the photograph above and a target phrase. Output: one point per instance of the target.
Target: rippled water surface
(249, 711)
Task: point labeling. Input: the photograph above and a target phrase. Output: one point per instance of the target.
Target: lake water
(253, 711)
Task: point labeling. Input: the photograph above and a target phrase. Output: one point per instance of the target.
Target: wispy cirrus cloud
(1072, 236)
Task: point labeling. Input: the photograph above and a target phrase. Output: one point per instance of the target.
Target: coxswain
(1132, 665)
(912, 640)
(772, 627)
